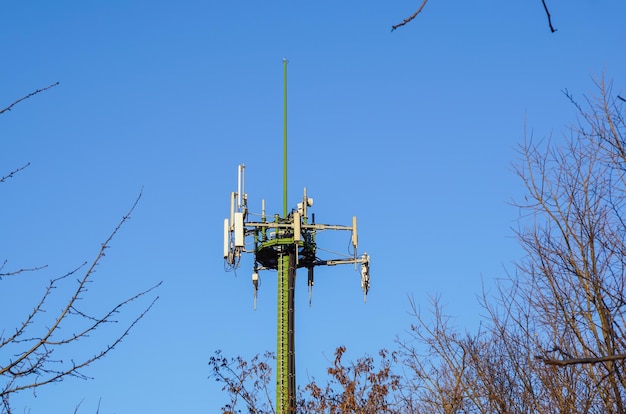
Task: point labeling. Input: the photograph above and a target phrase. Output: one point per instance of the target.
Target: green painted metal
(282, 357)
(283, 388)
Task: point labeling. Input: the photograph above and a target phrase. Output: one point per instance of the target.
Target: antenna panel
(355, 238)
(240, 187)
(297, 230)
(232, 207)
(225, 238)
(239, 230)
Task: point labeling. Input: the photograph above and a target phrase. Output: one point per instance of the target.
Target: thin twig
(12, 173)
(22, 270)
(408, 19)
(8, 108)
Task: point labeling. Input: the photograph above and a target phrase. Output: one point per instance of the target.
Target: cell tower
(284, 243)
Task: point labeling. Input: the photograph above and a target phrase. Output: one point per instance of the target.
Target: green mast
(285, 364)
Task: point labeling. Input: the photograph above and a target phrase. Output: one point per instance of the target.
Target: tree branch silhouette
(8, 108)
(27, 356)
(545, 7)
(578, 361)
(408, 19)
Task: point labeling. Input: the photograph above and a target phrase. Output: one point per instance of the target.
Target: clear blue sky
(414, 132)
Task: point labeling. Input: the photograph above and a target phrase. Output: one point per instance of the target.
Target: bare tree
(576, 264)
(356, 387)
(245, 381)
(449, 370)
(554, 336)
(38, 351)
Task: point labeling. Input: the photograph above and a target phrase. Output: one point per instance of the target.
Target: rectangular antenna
(240, 183)
(232, 208)
(297, 229)
(262, 210)
(226, 238)
(239, 230)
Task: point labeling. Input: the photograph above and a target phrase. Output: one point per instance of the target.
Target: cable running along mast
(284, 244)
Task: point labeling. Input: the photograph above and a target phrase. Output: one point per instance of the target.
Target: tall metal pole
(285, 139)
(285, 349)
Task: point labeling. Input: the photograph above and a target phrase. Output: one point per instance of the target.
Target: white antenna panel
(225, 238)
(232, 207)
(239, 230)
(240, 186)
(297, 229)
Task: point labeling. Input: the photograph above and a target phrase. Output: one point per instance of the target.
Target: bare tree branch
(17, 272)
(578, 361)
(34, 366)
(12, 173)
(545, 7)
(8, 108)
(408, 19)
(245, 380)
